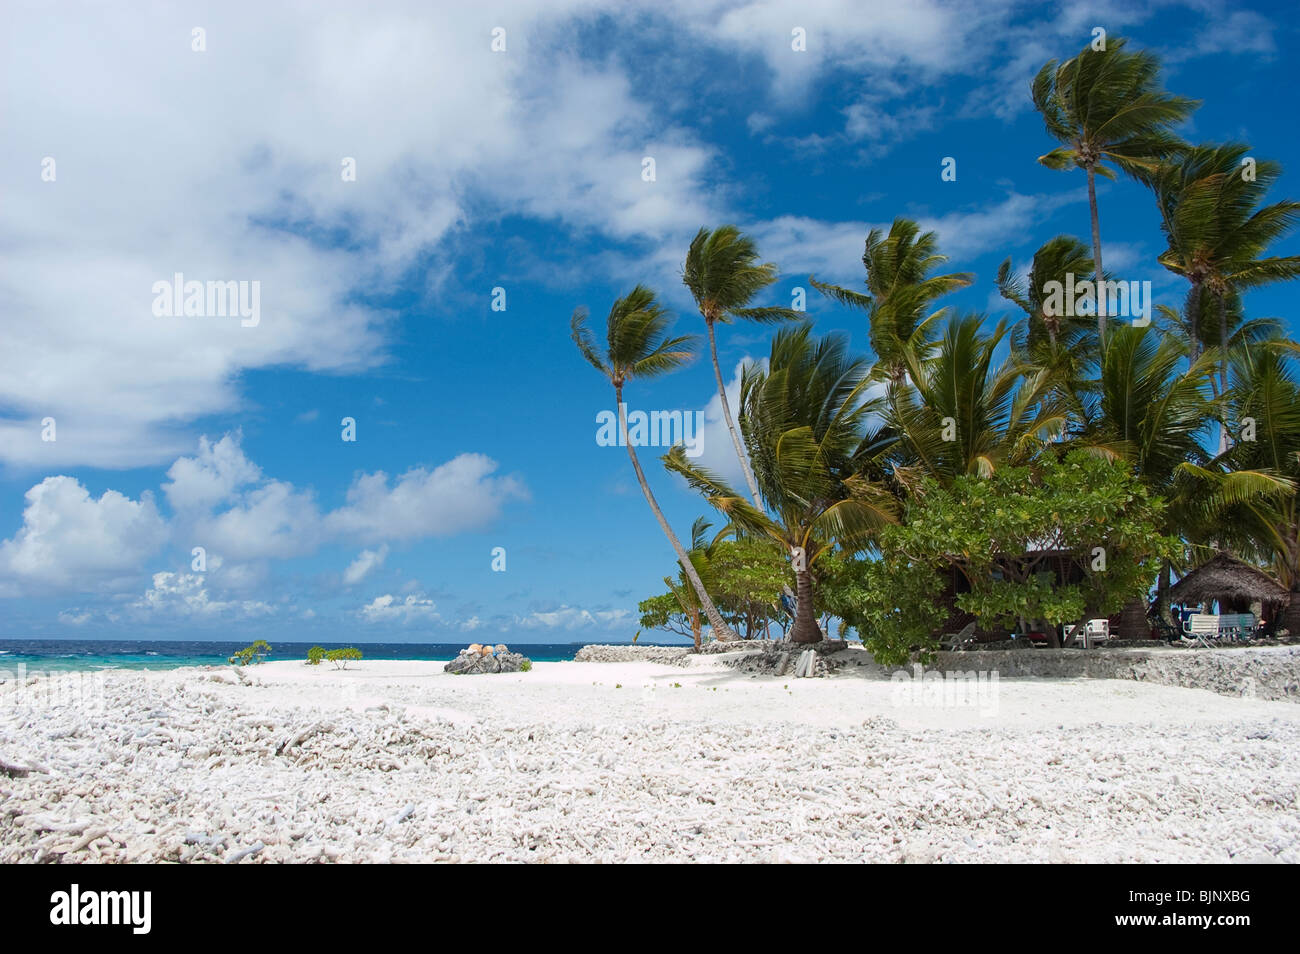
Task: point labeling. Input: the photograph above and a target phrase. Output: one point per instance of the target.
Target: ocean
(80, 655)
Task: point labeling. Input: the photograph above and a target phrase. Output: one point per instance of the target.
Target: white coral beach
(638, 761)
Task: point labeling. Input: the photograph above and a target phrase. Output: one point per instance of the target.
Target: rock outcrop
(479, 659)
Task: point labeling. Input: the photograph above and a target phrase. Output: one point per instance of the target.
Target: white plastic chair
(1097, 630)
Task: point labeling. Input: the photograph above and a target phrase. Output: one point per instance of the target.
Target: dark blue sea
(68, 654)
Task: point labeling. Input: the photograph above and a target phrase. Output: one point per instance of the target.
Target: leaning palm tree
(639, 347)
(1107, 106)
(723, 274)
(1210, 208)
(902, 290)
(803, 420)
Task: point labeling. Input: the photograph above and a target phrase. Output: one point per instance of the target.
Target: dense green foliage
(745, 576)
(1018, 538)
(1033, 470)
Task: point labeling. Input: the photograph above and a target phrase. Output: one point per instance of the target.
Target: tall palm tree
(723, 274)
(1107, 106)
(1218, 232)
(638, 347)
(901, 290)
(803, 420)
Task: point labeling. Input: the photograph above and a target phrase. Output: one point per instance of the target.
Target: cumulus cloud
(223, 502)
(70, 539)
(717, 453)
(213, 475)
(455, 496)
(186, 595)
(540, 130)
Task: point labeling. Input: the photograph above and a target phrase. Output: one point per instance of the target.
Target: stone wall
(670, 655)
(1271, 673)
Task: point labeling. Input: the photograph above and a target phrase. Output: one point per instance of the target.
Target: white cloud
(717, 453)
(212, 476)
(242, 519)
(570, 617)
(186, 595)
(391, 609)
(833, 250)
(364, 564)
(70, 539)
(453, 497)
(225, 165)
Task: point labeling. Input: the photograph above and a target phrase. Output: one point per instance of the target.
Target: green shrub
(251, 654)
(315, 655)
(341, 657)
(526, 665)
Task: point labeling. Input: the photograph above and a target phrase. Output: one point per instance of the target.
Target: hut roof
(1226, 577)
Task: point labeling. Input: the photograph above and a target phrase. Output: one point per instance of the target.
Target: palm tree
(1063, 345)
(639, 347)
(1107, 106)
(1054, 260)
(1242, 332)
(958, 414)
(723, 275)
(1265, 392)
(902, 289)
(682, 592)
(1217, 230)
(1153, 415)
(803, 420)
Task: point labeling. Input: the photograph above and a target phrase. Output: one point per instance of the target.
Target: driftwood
(20, 771)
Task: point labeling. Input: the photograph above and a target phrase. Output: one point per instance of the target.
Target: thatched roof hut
(1234, 585)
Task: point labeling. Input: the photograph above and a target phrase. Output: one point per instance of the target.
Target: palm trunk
(695, 629)
(1162, 593)
(1291, 615)
(1133, 619)
(1223, 368)
(726, 416)
(1194, 321)
(1096, 252)
(720, 628)
(805, 628)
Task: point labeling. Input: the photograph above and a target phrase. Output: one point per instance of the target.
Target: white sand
(639, 761)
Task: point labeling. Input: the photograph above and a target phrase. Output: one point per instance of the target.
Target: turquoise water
(80, 655)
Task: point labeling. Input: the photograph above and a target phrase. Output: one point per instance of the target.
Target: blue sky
(519, 169)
